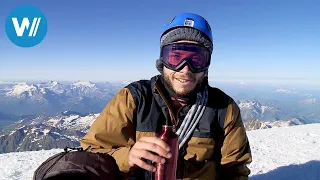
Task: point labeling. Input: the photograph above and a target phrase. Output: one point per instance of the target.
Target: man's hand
(144, 148)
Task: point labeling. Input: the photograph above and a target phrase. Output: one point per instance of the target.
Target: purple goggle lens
(174, 56)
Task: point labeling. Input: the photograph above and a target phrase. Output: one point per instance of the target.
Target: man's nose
(185, 68)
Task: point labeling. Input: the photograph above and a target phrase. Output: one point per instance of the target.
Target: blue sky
(105, 41)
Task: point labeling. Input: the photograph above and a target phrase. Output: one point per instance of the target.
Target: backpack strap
(76, 149)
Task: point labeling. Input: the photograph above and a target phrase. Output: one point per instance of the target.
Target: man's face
(184, 81)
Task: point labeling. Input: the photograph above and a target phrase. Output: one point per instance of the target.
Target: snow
(84, 83)
(53, 121)
(286, 91)
(308, 95)
(72, 138)
(36, 139)
(283, 123)
(245, 105)
(256, 107)
(46, 131)
(73, 122)
(242, 82)
(54, 86)
(33, 129)
(278, 153)
(70, 118)
(53, 83)
(9, 82)
(127, 82)
(84, 122)
(21, 165)
(265, 108)
(13, 131)
(311, 100)
(42, 90)
(21, 88)
(249, 105)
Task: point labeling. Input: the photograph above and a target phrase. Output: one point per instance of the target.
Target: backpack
(78, 164)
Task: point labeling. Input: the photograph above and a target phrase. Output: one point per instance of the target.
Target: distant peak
(243, 82)
(53, 83)
(84, 83)
(249, 104)
(70, 113)
(280, 90)
(127, 82)
(21, 88)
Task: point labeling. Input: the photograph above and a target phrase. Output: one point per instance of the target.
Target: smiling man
(212, 139)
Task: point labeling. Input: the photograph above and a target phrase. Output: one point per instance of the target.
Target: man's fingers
(144, 165)
(157, 141)
(136, 156)
(153, 148)
(149, 148)
(147, 155)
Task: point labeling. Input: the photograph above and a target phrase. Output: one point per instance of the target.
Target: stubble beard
(186, 91)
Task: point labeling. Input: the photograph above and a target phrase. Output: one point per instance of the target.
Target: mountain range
(46, 132)
(50, 98)
(45, 115)
(66, 129)
(256, 101)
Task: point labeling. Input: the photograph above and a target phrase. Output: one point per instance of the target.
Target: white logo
(26, 25)
(189, 22)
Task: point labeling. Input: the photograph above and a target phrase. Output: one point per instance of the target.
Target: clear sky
(119, 40)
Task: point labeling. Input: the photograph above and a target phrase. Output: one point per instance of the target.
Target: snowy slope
(46, 132)
(278, 153)
(286, 152)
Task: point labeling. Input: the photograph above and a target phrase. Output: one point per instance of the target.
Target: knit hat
(186, 33)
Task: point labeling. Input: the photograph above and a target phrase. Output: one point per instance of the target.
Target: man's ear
(206, 73)
(159, 66)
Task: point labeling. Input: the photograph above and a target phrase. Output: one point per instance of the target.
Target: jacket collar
(159, 93)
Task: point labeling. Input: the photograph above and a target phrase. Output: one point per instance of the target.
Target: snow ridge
(278, 153)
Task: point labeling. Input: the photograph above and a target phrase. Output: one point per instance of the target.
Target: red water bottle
(167, 171)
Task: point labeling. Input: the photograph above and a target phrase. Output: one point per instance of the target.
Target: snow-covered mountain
(46, 132)
(267, 102)
(23, 90)
(32, 91)
(254, 109)
(263, 102)
(258, 124)
(306, 109)
(278, 153)
(52, 97)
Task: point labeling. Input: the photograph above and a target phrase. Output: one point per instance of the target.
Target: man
(216, 148)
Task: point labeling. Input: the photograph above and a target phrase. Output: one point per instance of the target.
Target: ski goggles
(174, 56)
